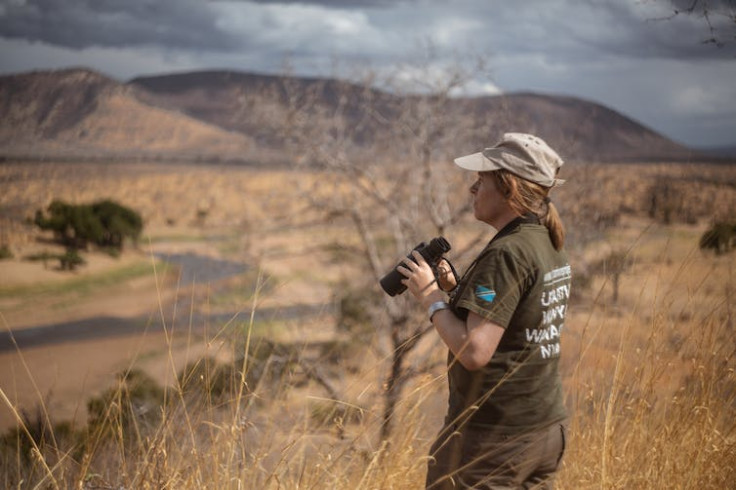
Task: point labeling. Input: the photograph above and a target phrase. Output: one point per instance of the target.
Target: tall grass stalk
(652, 393)
(654, 397)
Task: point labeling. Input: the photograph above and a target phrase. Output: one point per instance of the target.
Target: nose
(474, 187)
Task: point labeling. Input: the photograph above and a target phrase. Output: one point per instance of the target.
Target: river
(193, 269)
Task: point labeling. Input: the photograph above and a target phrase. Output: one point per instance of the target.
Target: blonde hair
(529, 197)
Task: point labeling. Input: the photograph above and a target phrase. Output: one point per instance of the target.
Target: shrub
(118, 222)
(354, 306)
(42, 257)
(613, 267)
(134, 404)
(208, 379)
(721, 238)
(665, 201)
(70, 260)
(5, 253)
(104, 223)
(37, 432)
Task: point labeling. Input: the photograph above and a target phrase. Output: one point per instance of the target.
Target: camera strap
(436, 272)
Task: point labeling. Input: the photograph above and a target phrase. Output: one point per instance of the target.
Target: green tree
(70, 260)
(118, 222)
(104, 223)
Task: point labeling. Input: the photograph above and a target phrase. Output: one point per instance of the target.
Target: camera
(432, 253)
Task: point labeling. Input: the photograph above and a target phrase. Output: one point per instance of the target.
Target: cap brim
(476, 162)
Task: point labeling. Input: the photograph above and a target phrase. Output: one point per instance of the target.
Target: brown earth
(248, 215)
(184, 208)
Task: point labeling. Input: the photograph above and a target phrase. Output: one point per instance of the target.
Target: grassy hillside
(253, 402)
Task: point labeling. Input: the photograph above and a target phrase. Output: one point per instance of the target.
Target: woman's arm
(473, 341)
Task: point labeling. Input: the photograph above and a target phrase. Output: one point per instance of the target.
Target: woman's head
(526, 197)
(518, 174)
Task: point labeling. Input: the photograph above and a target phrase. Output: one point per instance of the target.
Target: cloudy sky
(674, 73)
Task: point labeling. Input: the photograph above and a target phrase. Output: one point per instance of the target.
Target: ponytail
(556, 229)
(529, 197)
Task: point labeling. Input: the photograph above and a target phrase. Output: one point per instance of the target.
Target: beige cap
(524, 155)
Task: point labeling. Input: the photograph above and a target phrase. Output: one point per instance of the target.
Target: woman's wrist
(435, 307)
(433, 297)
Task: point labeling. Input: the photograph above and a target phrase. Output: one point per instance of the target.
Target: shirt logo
(485, 294)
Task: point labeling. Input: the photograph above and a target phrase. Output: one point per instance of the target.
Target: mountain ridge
(79, 113)
(213, 116)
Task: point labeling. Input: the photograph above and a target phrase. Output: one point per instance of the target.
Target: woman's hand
(445, 276)
(420, 279)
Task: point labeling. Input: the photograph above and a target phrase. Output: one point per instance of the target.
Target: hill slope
(81, 114)
(221, 115)
(586, 130)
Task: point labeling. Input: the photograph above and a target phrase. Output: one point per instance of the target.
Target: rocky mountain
(232, 116)
(585, 130)
(256, 105)
(82, 114)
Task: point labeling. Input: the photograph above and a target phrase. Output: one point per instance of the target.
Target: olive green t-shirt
(521, 283)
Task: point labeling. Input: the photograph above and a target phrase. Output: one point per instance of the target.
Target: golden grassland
(650, 379)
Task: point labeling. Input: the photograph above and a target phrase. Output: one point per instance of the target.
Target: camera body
(432, 253)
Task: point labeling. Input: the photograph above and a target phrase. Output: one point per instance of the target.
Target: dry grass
(650, 381)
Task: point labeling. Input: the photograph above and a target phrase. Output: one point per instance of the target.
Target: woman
(504, 425)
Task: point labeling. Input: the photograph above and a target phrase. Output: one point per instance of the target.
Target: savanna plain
(275, 376)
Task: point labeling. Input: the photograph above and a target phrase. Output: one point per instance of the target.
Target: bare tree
(385, 160)
(613, 266)
(719, 17)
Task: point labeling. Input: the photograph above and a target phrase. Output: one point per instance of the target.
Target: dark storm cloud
(703, 6)
(653, 59)
(565, 28)
(339, 3)
(682, 25)
(635, 30)
(718, 15)
(114, 23)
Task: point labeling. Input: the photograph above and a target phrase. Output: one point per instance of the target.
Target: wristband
(435, 307)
